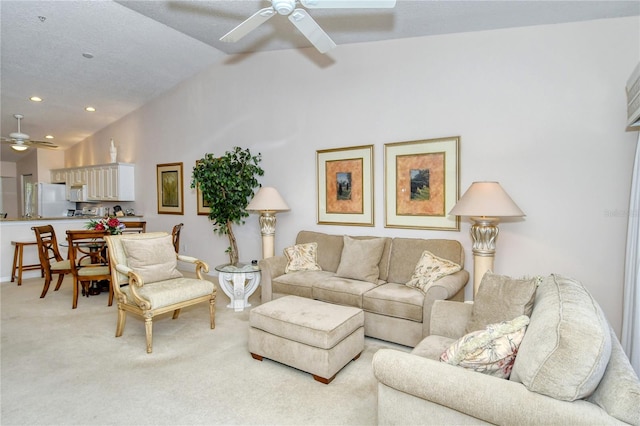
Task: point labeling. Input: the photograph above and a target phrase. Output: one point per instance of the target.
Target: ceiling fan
(20, 141)
(301, 19)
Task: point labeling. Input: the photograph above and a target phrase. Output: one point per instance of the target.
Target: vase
(113, 151)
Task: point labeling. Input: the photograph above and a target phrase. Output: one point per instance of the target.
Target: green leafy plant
(227, 184)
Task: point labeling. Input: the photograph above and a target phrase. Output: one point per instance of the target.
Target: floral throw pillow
(302, 257)
(429, 269)
(491, 351)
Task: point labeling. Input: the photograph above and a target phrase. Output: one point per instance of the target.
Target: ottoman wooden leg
(323, 380)
(256, 356)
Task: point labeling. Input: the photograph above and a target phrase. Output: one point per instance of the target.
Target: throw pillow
(491, 351)
(569, 344)
(302, 257)
(360, 258)
(501, 298)
(429, 269)
(154, 259)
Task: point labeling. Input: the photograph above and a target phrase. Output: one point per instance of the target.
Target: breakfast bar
(20, 230)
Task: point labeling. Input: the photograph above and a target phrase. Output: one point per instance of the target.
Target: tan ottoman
(316, 337)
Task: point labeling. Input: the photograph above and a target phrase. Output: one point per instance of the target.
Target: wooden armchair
(148, 264)
(50, 257)
(89, 261)
(175, 233)
(134, 226)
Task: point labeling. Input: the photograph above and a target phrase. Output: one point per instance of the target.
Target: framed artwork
(203, 206)
(422, 184)
(170, 192)
(345, 186)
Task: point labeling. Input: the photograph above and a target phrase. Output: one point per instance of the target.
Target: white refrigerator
(47, 200)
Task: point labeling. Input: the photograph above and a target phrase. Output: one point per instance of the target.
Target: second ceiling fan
(301, 19)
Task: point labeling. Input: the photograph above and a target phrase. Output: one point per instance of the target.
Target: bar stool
(18, 258)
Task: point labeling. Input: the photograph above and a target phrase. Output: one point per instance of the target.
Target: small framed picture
(170, 188)
(203, 205)
(345, 186)
(422, 184)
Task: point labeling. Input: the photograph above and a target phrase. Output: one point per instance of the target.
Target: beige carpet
(65, 367)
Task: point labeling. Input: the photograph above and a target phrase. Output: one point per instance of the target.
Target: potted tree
(226, 184)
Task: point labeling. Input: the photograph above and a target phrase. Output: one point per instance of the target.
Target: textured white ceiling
(143, 48)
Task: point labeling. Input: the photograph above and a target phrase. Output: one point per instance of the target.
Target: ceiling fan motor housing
(283, 7)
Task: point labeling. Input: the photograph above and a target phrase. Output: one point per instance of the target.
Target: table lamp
(268, 202)
(485, 203)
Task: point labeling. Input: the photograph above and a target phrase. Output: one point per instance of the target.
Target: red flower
(99, 227)
(113, 222)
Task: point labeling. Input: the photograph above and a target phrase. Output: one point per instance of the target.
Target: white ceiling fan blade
(348, 4)
(253, 22)
(311, 30)
(42, 144)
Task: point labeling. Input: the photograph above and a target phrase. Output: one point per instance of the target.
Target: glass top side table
(239, 281)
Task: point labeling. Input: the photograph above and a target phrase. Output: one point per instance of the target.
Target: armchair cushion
(165, 293)
(501, 298)
(302, 257)
(568, 344)
(491, 351)
(429, 269)
(360, 258)
(153, 259)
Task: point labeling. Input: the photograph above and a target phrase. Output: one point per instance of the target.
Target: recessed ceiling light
(87, 55)
(49, 137)
(36, 99)
(90, 109)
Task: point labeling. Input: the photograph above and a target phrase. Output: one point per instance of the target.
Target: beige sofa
(392, 310)
(569, 369)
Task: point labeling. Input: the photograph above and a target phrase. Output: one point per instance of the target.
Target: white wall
(539, 109)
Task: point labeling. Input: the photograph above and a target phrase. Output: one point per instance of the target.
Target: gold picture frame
(345, 186)
(422, 184)
(170, 188)
(203, 206)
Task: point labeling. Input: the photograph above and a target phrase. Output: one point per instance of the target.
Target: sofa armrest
(449, 319)
(270, 267)
(478, 395)
(446, 288)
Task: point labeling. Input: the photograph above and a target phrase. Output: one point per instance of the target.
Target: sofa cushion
(329, 248)
(395, 300)
(490, 351)
(302, 257)
(429, 269)
(154, 259)
(432, 346)
(406, 252)
(299, 283)
(341, 291)
(501, 298)
(567, 346)
(360, 259)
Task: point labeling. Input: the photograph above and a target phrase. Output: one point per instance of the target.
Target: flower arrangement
(108, 223)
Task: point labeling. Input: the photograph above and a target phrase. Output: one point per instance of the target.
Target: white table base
(239, 286)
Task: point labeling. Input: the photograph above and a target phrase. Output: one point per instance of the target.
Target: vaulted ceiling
(116, 56)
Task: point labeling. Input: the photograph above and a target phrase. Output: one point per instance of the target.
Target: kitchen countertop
(31, 219)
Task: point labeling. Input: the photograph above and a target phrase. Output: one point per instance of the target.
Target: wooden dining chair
(89, 261)
(50, 259)
(175, 235)
(134, 227)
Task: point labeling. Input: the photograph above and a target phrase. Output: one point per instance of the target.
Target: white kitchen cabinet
(59, 175)
(77, 176)
(111, 182)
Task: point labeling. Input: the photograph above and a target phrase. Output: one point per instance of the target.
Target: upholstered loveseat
(354, 275)
(569, 369)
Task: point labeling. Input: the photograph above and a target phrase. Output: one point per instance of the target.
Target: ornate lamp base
(268, 230)
(484, 233)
